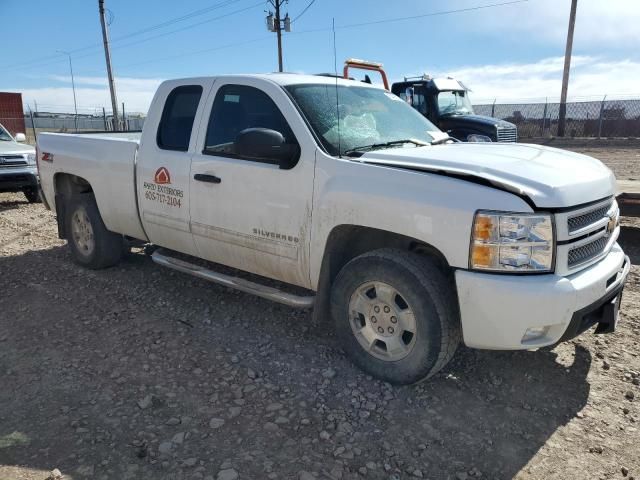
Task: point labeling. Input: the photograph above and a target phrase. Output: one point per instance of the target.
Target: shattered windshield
(455, 102)
(359, 116)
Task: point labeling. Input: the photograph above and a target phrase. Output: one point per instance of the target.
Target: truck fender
(345, 242)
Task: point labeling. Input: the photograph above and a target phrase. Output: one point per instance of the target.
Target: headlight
(511, 242)
(31, 158)
(474, 137)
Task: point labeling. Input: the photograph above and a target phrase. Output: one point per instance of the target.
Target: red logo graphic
(162, 176)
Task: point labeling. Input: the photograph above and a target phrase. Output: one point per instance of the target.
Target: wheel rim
(82, 232)
(382, 321)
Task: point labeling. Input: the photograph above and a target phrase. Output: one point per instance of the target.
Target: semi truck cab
(445, 102)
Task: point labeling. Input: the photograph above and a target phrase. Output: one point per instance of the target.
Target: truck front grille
(585, 234)
(584, 253)
(12, 161)
(508, 134)
(586, 219)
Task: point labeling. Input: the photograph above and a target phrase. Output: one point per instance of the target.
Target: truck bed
(132, 136)
(107, 162)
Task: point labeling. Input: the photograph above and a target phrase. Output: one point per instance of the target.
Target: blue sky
(507, 52)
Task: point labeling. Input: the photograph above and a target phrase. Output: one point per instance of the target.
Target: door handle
(203, 177)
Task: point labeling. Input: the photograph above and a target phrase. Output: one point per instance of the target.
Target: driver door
(248, 213)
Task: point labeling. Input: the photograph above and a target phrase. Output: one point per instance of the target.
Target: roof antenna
(335, 68)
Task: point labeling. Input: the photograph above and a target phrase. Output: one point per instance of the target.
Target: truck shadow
(80, 348)
(506, 405)
(11, 204)
(630, 242)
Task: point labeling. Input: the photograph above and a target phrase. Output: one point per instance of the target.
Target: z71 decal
(160, 192)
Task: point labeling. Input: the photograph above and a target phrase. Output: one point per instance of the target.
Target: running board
(270, 293)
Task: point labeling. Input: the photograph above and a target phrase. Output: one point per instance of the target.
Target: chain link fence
(69, 123)
(606, 118)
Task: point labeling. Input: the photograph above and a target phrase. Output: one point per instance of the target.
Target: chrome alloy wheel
(382, 321)
(82, 232)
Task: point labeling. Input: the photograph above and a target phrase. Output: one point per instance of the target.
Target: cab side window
(176, 123)
(237, 108)
(415, 97)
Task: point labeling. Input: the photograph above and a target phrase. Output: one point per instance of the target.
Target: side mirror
(266, 144)
(20, 137)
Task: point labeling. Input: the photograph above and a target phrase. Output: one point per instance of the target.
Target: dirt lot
(139, 373)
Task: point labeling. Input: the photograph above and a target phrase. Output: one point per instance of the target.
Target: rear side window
(179, 112)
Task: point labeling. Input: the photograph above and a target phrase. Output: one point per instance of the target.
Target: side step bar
(270, 293)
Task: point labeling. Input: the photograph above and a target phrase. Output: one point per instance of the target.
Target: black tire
(32, 194)
(432, 299)
(107, 246)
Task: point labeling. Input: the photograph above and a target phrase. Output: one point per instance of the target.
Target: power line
(412, 17)
(231, 45)
(196, 52)
(304, 11)
(338, 27)
(195, 13)
(187, 27)
(166, 23)
(186, 54)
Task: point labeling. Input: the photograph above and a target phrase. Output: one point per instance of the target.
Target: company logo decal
(162, 176)
(160, 192)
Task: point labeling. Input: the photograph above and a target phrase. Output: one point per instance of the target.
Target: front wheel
(91, 244)
(32, 194)
(396, 315)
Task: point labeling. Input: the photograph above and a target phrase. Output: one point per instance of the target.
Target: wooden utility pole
(567, 66)
(107, 55)
(278, 26)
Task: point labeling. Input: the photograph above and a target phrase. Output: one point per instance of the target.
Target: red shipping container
(11, 112)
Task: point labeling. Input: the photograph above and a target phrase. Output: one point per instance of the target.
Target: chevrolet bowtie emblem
(612, 223)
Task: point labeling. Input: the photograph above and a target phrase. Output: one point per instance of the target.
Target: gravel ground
(136, 372)
(622, 155)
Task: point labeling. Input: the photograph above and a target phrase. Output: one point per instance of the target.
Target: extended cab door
(164, 163)
(249, 213)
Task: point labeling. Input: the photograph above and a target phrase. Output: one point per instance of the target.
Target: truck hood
(473, 119)
(549, 177)
(15, 148)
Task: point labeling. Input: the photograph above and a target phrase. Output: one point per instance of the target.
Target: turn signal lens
(482, 256)
(483, 228)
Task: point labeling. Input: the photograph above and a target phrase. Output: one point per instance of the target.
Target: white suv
(18, 172)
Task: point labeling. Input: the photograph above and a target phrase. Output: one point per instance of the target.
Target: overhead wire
(304, 11)
(150, 28)
(241, 43)
(411, 17)
(347, 26)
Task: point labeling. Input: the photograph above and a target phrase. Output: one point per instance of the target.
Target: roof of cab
(299, 78)
(284, 79)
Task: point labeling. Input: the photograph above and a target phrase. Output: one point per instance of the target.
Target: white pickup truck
(341, 191)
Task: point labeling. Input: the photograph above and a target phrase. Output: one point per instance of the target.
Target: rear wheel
(32, 194)
(91, 244)
(396, 315)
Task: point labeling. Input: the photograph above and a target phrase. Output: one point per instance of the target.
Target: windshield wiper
(374, 146)
(444, 139)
